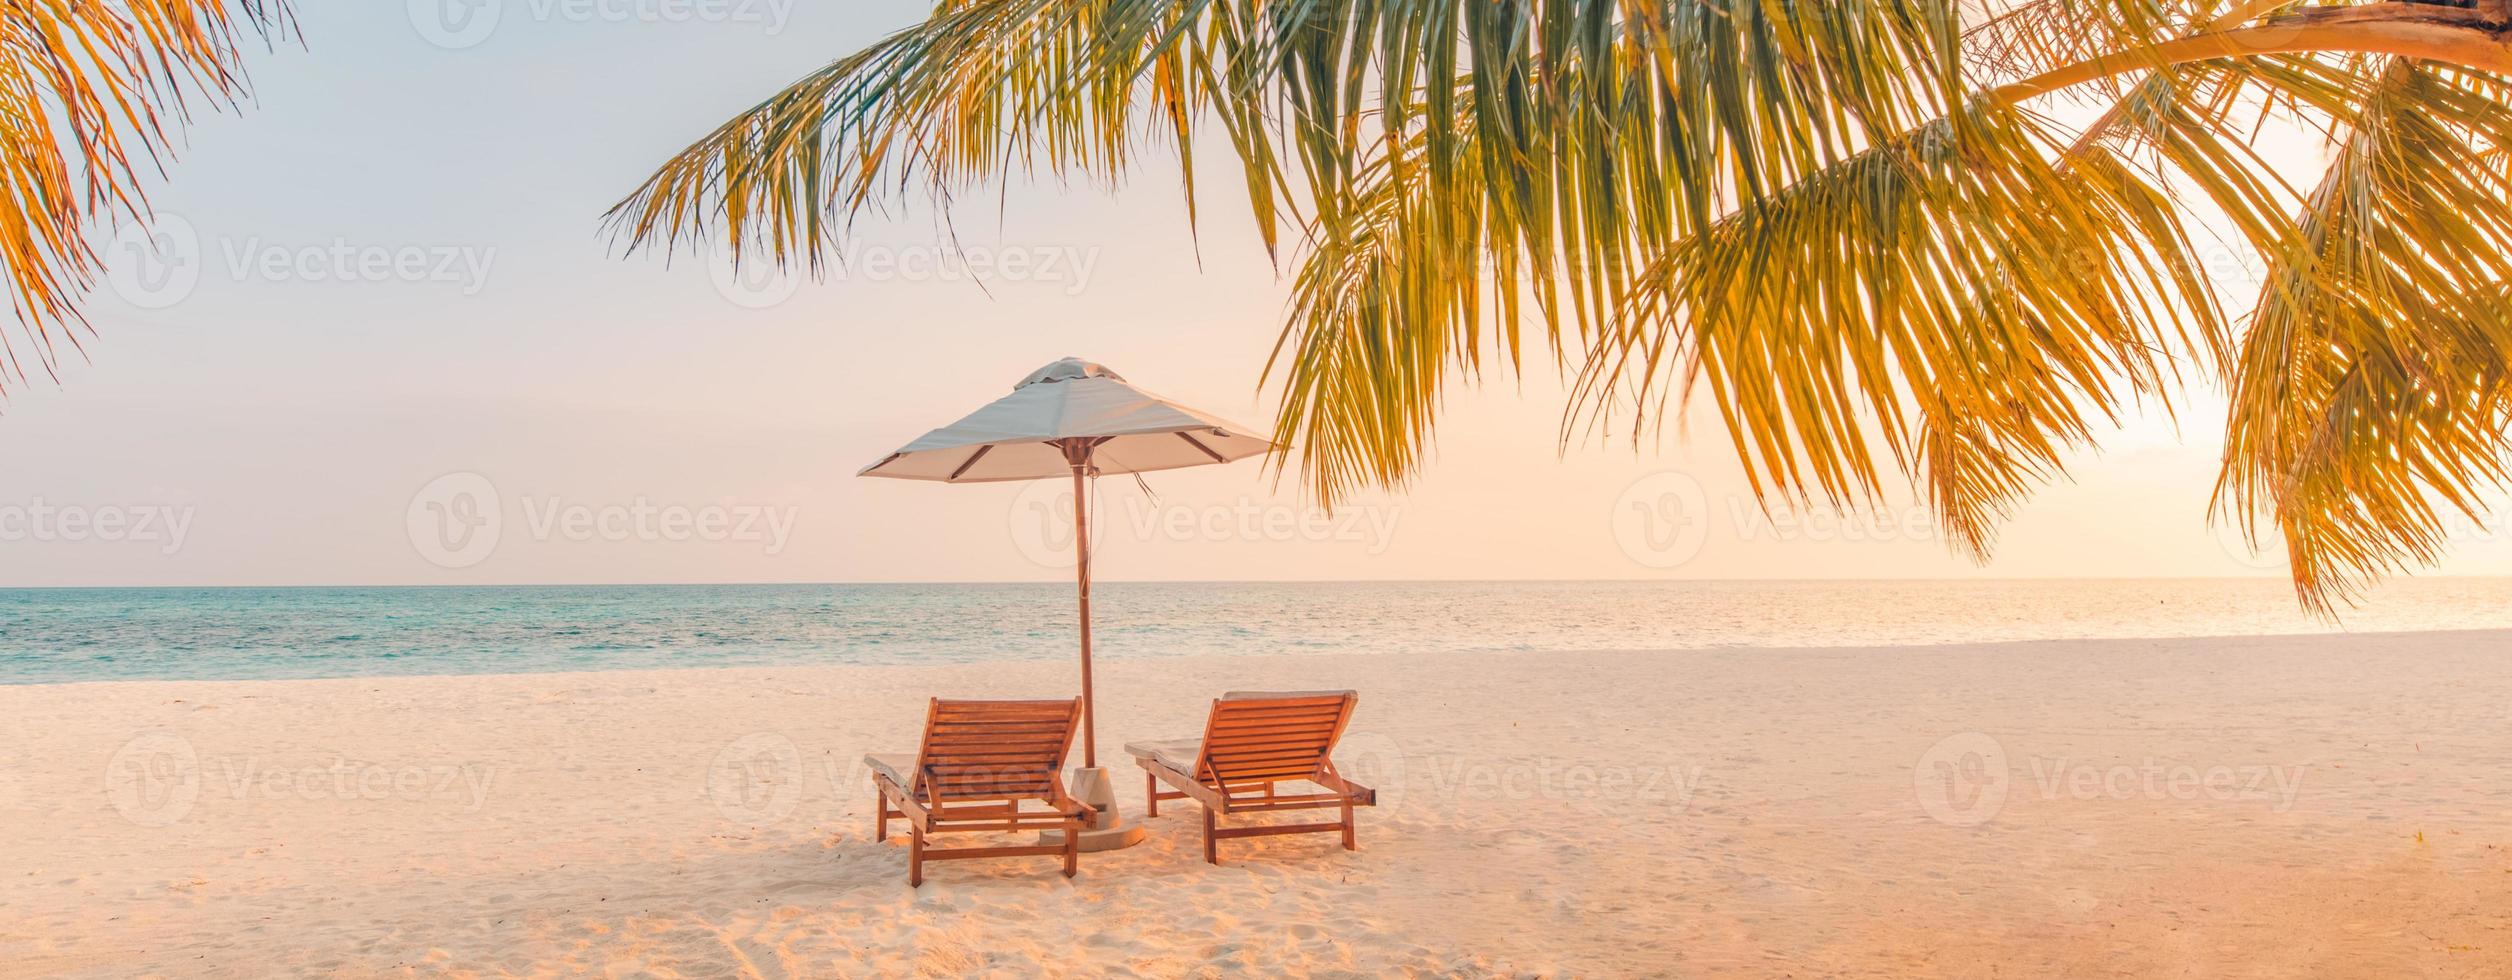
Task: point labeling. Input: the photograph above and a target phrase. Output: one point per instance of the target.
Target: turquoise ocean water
(61, 635)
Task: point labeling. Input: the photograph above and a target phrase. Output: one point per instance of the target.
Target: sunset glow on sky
(401, 276)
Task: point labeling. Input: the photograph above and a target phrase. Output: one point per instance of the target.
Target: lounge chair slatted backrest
(1253, 744)
(977, 751)
(1254, 740)
(979, 762)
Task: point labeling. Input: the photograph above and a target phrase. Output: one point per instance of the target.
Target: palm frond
(1959, 303)
(1850, 220)
(1554, 171)
(93, 96)
(2163, 139)
(2372, 394)
(1360, 383)
(982, 90)
(2021, 39)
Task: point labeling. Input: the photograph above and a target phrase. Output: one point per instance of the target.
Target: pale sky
(248, 418)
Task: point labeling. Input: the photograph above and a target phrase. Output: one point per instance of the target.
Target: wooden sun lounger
(1253, 743)
(980, 761)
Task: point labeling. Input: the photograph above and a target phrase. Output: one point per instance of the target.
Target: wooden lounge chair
(981, 760)
(1253, 743)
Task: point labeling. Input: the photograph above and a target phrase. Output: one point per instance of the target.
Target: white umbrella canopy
(1071, 418)
(1031, 433)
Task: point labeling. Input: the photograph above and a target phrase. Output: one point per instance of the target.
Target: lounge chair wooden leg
(880, 819)
(1212, 850)
(1151, 792)
(1072, 847)
(1348, 843)
(916, 857)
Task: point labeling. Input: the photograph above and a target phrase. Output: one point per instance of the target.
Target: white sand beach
(2272, 807)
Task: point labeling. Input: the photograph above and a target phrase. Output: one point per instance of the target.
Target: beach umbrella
(1076, 419)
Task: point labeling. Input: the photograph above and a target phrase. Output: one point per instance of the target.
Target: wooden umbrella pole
(1080, 459)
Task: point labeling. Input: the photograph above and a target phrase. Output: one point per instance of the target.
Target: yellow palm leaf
(92, 95)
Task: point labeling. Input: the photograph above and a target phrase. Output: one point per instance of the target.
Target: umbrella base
(1091, 786)
(1105, 838)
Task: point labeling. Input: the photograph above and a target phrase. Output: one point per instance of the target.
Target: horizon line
(1281, 581)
